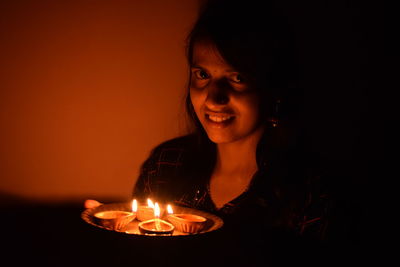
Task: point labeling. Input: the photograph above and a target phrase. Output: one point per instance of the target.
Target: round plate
(213, 221)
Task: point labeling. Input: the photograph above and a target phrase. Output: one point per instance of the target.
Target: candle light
(157, 216)
(150, 203)
(169, 209)
(134, 206)
(145, 213)
(156, 226)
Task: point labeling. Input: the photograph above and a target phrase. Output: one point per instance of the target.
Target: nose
(218, 94)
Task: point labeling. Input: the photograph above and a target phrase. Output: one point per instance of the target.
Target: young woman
(245, 160)
(247, 157)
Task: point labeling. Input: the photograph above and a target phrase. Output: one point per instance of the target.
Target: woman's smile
(219, 120)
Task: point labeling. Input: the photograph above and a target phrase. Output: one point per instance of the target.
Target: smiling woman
(87, 87)
(245, 160)
(250, 157)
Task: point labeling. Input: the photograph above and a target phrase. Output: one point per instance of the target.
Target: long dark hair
(255, 38)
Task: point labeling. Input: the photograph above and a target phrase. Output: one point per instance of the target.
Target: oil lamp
(156, 226)
(144, 212)
(186, 223)
(116, 219)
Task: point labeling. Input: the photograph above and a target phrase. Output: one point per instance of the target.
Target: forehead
(206, 53)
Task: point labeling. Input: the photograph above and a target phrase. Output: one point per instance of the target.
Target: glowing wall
(87, 88)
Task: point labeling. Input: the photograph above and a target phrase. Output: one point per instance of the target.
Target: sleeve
(315, 219)
(329, 216)
(143, 186)
(160, 176)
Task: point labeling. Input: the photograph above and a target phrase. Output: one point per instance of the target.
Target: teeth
(219, 118)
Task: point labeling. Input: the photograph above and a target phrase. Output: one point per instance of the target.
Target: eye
(237, 78)
(238, 82)
(201, 74)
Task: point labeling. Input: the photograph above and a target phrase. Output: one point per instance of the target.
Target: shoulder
(174, 149)
(184, 142)
(177, 142)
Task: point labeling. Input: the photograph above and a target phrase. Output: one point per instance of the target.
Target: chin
(220, 139)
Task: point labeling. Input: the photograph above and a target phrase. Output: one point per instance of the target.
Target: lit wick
(134, 206)
(169, 209)
(157, 217)
(156, 226)
(150, 203)
(146, 212)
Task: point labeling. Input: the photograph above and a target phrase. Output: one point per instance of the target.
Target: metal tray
(213, 222)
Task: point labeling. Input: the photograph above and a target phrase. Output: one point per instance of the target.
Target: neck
(239, 156)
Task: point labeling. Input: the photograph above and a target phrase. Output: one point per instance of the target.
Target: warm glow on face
(228, 109)
(150, 203)
(156, 210)
(134, 205)
(169, 209)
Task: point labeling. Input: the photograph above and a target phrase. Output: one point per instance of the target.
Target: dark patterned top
(282, 194)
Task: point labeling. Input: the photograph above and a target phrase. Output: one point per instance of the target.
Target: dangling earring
(274, 119)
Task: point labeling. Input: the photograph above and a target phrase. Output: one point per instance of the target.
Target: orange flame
(169, 209)
(156, 210)
(150, 203)
(134, 205)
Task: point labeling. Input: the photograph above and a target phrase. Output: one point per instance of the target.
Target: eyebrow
(195, 66)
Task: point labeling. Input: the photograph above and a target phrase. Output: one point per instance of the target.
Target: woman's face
(224, 102)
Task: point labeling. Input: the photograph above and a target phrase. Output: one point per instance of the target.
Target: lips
(219, 119)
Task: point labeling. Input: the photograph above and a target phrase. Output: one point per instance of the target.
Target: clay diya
(145, 213)
(156, 226)
(114, 219)
(187, 223)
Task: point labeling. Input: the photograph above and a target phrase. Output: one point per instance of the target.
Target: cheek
(197, 84)
(250, 108)
(196, 99)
